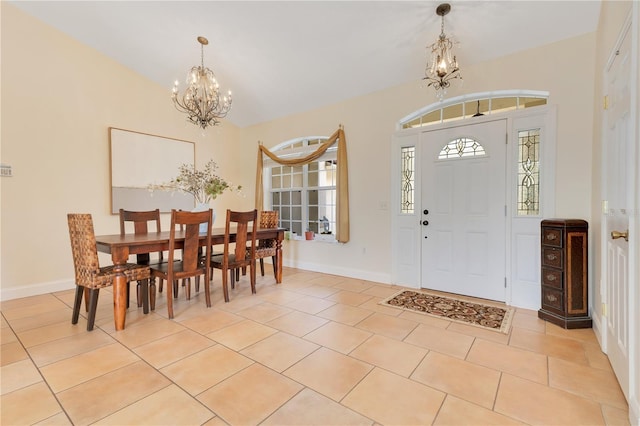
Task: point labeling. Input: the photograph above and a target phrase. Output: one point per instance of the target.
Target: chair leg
(207, 293)
(128, 295)
(232, 274)
(273, 263)
(86, 301)
(262, 266)
(244, 272)
(225, 289)
(76, 304)
(152, 294)
(143, 295)
(170, 299)
(175, 289)
(140, 294)
(252, 271)
(160, 285)
(187, 284)
(93, 304)
(197, 283)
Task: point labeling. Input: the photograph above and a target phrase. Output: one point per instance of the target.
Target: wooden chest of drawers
(564, 265)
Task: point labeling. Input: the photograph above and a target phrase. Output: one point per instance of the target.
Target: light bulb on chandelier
(201, 100)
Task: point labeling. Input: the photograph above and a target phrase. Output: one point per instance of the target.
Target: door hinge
(605, 102)
(604, 309)
(505, 282)
(505, 210)
(506, 138)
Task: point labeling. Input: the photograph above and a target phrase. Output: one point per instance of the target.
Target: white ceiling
(282, 57)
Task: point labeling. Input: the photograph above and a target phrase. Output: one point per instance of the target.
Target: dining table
(120, 246)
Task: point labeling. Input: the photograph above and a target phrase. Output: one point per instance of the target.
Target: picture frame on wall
(139, 160)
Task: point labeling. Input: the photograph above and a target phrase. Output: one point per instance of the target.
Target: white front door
(617, 206)
(463, 209)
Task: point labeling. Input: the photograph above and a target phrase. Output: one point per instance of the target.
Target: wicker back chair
(267, 247)
(88, 273)
(244, 253)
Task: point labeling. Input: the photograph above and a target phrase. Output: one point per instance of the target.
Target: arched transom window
(461, 147)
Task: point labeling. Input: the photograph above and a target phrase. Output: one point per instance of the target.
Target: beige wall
(565, 69)
(59, 98)
(54, 134)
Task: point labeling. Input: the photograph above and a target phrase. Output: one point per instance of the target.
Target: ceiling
(283, 57)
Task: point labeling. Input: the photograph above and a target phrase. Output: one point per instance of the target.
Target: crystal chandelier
(201, 100)
(443, 66)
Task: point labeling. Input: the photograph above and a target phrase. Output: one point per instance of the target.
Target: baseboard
(35, 289)
(345, 272)
(634, 412)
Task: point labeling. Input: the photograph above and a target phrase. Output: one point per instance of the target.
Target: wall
(565, 69)
(54, 134)
(59, 97)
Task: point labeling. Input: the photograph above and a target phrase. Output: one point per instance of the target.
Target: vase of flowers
(205, 185)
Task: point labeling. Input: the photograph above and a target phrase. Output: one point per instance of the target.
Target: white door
(618, 195)
(463, 209)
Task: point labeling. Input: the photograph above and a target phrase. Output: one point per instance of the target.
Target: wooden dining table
(121, 246)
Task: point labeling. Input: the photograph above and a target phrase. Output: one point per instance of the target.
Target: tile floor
(316, 349)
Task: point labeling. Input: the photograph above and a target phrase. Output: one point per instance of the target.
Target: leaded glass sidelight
(407, 170)
(529, 172)
(461, 147)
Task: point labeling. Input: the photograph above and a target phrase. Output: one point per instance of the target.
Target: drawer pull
(552, 256)
(551, 298)
(551, 237)
(551, 277)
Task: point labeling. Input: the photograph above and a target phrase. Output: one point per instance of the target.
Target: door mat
(491, 317)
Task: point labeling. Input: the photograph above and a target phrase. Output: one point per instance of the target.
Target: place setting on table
(191, 234)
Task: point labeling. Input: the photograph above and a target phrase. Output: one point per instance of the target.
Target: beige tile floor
(316, 349)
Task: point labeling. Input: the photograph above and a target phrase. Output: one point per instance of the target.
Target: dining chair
(88, 273)
(190, 265)
(141, 221)
(243, 254)
(267, 247)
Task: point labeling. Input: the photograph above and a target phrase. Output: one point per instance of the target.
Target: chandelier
(201, 99)
(443, 66)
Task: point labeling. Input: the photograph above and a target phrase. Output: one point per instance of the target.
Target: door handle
(425, 222)
(617, 234)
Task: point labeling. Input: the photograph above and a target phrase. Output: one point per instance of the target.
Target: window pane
(531, 102)
(471, 108)
(313, 198)
(286, 213)
(286, 198)
(275, 199)
(461, 147)
(297, 180)
(313, 213)
(452, 112)
(286, 181)
(503, 104)
(275, 182)
(296, 213)
(296, 227)
(528, 172)
(296, 198)
(313, 176)
(407, 179)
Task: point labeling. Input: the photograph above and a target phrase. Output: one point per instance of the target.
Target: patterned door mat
(488, 316)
